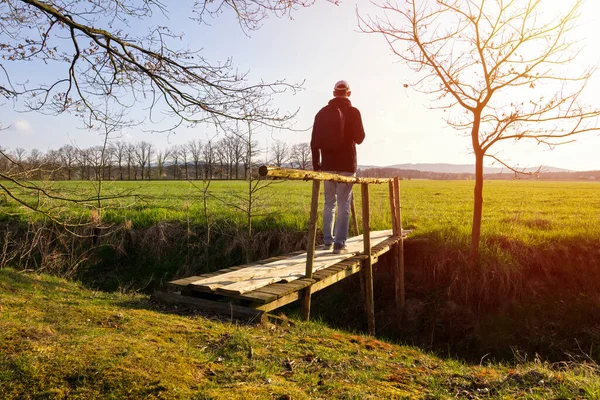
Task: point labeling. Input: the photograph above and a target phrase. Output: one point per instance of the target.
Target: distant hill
(459, 168)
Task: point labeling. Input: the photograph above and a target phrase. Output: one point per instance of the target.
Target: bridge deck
(253, 289)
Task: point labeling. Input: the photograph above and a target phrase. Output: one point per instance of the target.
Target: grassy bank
(60, 340)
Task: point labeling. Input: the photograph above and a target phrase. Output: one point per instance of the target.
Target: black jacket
(342, 159)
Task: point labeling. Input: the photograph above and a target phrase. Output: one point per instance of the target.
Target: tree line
(225, 158)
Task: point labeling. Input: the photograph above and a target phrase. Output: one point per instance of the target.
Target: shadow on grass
(520, 302)
(12, 280)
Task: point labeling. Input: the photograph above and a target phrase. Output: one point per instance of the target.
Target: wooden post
(393, 209)
(354, 221)
(367, 263)
(356, 233)
(310, 251)
(399, 275)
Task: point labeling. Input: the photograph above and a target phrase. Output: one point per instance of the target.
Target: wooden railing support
(310, 251)
(354, 220)
(399, 275)
(367, 269)
(393, 209)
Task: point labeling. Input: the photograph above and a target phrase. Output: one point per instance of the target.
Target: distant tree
(279, 153)
(130, 156)
(301, 156)
(161, 157)
(18, 155)
(506, 68)
(184, 154)
(68, 157)
(120, 154)
(34, 164)
(238, 148)
(223, 157)
(83, 163)
(95, 156)
(195, 151)
(175, 157)
(52, 164)
(208, 153)
(143, 152)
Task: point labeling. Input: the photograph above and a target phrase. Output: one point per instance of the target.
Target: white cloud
(22, 127)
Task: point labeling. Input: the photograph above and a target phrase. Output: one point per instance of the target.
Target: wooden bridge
(249, 291)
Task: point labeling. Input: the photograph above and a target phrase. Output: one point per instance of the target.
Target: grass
(60, 340)
(531, 211)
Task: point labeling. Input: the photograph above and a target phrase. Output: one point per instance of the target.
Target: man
(337, 154)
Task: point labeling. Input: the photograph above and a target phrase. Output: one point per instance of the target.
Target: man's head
(341, 89)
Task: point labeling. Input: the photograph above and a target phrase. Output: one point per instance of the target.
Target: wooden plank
(368, 268)
(282, 263)
(316, 286)
(258, 297)
(184, 282)
(232, 310)
(213, 275)
(247, 282)
(272, 293)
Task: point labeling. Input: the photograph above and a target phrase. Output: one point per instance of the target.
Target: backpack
(328, 131)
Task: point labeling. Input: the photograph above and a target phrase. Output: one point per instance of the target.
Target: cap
(341, 85)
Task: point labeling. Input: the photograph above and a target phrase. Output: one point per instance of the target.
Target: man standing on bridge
(336, 131)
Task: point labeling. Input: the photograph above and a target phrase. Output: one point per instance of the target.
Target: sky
(321, 45)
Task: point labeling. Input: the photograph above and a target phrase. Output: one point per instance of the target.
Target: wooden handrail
(304, 175)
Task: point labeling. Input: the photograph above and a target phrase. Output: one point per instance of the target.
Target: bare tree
(130, 156)
(208, 152)
(52, 163)
(19, 154)
(161, 158)
(506, 67)
(149, 155)
(301, 155)
(238, 147)
(68, 157)
(34, 161)
(109, 159)
(195, 151)
(120, 153)
(96, 159)
(222, 156)
(280, 153)
(175, 154)
(142, 153)
(83, 163)
(183, 153)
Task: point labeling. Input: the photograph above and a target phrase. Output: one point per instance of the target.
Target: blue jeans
(342, 194)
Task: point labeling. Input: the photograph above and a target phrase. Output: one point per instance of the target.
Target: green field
(530, 211)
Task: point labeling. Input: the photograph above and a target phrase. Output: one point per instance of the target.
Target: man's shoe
(327, 246)
(340, 249)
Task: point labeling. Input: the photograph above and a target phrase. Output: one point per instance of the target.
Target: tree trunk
(477, 206)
